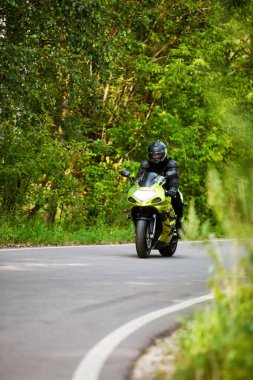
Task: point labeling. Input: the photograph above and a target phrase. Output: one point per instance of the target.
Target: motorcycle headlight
(144, 195)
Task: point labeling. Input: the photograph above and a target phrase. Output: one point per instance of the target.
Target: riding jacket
(168, 168)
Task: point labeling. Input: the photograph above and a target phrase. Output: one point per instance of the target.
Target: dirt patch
(159, 358)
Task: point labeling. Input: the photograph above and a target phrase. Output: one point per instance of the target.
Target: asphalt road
(58, 303)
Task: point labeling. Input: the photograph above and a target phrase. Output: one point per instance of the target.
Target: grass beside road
(38, 233)
(24, 232)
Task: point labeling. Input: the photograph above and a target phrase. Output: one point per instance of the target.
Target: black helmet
(157, 152)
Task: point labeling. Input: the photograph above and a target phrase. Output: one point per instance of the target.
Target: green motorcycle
(152, 214)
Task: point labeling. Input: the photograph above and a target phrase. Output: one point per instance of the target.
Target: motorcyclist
(160, 163)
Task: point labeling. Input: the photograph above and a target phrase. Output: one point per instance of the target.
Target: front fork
(152, 235)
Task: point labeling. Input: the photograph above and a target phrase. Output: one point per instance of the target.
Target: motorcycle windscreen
(149, 178)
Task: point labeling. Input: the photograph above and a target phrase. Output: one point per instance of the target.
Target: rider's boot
(180, 228)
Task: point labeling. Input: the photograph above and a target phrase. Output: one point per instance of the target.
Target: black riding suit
(169, 169)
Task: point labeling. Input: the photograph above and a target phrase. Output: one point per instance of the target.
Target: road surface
(59, 304)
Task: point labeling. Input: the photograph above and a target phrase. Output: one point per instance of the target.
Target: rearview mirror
(125, 173)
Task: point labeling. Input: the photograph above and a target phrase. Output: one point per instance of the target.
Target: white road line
(92, 363)
(140, 283)
(30, 266)
(11, 268)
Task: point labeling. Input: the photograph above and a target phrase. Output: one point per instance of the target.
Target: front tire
(143, 240)
(170, 249)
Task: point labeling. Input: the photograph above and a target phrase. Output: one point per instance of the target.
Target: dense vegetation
(86, 85)
(217, 342)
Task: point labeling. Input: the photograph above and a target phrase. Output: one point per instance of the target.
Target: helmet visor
(157, 155)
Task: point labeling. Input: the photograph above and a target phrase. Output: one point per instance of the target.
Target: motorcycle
(152, 214)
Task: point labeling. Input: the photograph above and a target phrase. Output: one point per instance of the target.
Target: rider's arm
(143, 168)
(172, 175)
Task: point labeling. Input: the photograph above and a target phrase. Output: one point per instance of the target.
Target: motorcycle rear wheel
(143, 240)
(170, 249)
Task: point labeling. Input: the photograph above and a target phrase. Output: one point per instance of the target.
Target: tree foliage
(86, 85)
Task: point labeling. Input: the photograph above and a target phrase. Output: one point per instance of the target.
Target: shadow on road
(156, 256)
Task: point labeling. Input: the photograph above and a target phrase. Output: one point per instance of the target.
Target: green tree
(86, 85)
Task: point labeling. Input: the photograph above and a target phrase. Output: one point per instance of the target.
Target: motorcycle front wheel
(143, 240)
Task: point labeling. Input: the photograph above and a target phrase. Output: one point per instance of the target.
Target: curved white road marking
(92, 363)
